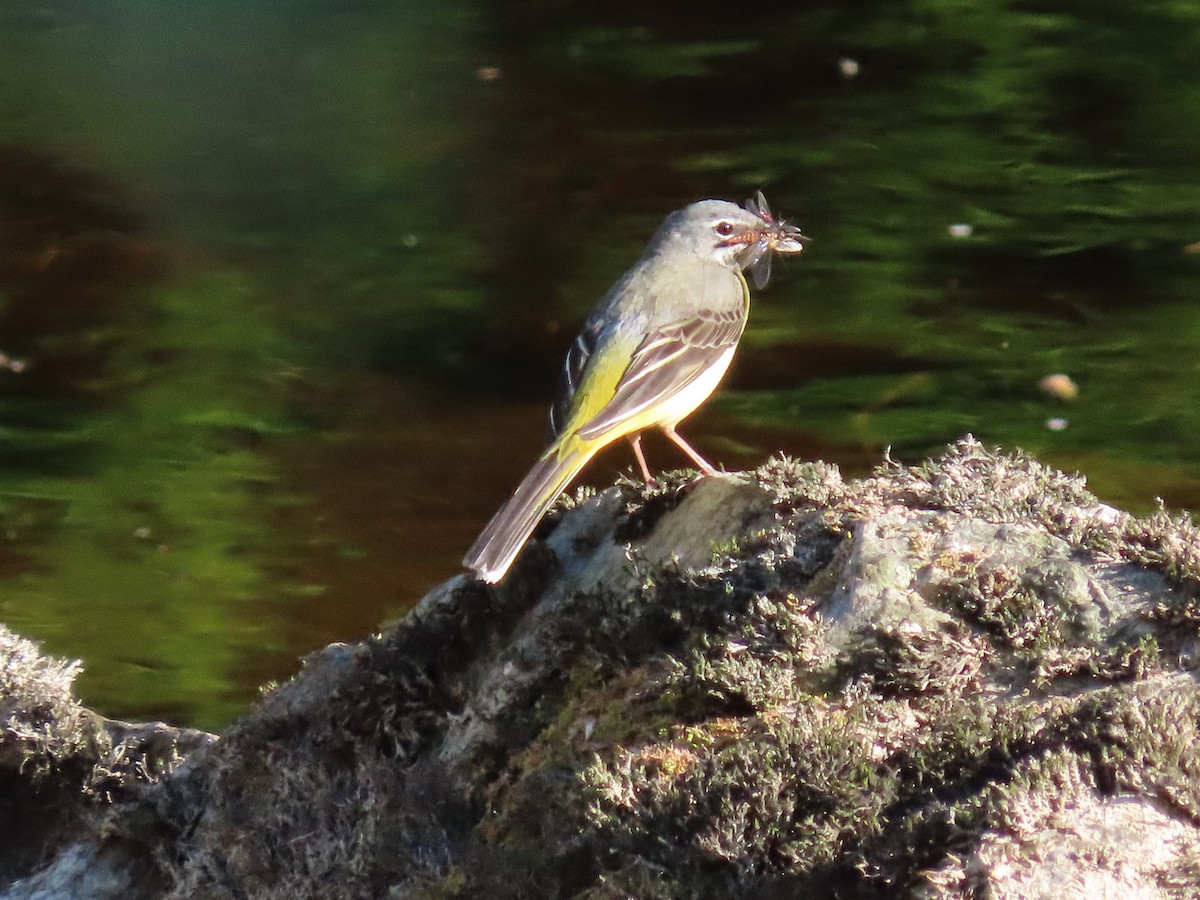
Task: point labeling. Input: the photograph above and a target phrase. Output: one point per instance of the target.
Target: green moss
(997, 601)
(1134, 659)
(45, 727)
(1041, 614)
(906, 659)
(769, 661)
(795, 484)
(1147, 740)
(647, 502)
(1168, 544)
(760, 799)
(995, 487)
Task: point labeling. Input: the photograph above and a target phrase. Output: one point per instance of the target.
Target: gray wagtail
(651, 352)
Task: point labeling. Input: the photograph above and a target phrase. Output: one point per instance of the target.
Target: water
(284, 289)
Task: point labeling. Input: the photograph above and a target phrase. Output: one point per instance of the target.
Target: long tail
(505, 535)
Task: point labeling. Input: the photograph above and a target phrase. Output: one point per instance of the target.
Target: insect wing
(757, 205)
(762, 267)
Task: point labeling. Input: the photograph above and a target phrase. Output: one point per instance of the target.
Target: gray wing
(669, 359)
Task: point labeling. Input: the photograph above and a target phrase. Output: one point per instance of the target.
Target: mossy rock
(962, 679)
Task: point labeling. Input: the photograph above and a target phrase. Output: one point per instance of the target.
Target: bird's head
(736, 237)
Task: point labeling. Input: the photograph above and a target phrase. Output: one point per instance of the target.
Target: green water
(284, 287)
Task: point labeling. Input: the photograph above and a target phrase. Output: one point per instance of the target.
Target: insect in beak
(773, 237)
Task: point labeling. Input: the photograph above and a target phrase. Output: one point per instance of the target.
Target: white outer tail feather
(504, 536)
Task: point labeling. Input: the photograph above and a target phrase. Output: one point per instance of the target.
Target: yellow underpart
(597, 390)
(599, 387)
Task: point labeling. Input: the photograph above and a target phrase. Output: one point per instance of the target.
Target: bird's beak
(747, 238)
(777, 236)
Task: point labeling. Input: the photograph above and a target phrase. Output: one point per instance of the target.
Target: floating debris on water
(16, 366)
(1059, 386)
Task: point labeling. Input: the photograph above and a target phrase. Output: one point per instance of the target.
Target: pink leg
(701, 463)
(635, 441)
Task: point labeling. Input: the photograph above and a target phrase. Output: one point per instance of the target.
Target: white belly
(684, 403)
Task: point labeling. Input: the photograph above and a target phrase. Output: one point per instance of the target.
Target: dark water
(284, 287)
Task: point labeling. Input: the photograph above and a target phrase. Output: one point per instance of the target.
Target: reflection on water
(283, 288)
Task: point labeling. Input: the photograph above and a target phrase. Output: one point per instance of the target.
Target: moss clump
(795, 485)
(44, 725)
(908, 659)
(63, 768)
(646, 503)
(780, 797)
(1147, 739)
(1168, 544)
(1043, 615)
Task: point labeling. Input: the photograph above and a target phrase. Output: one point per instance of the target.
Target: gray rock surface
(963, 679)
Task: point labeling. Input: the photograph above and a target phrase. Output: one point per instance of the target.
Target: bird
(653, 349)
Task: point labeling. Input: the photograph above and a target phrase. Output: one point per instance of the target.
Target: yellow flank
(595, 393)
(600, 385)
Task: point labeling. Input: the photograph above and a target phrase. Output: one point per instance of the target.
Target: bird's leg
(701, 463)
(635, 441)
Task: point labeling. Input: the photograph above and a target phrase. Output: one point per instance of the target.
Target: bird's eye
(724, 229)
